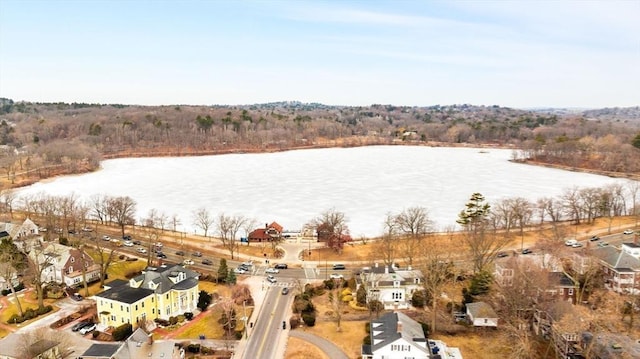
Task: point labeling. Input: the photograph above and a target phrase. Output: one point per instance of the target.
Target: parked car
(271, 271)
(338, 267)
(280, 266)
(126, 237)
(136, 242)
(87, 229)
(207, 262)
(158, 245)
(128, 244)
(577, 245)
(603, 244)
(161, 255)
(502, 254)
(80, 325)
(179, 253)
(336, 276)
(247, 264)
(88, 329)
(142, 250)
(188, 262)
(628, 231)
(76, 297)
(271, 279)
(106, 238)
(239, 271)
(116, 242)
(526, 251)
(285, 290)
(570, 242)
(197, 254)
(594, 238)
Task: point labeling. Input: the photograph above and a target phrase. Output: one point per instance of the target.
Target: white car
(239, 271)
(158, 245)
(336, 276)
(142, 250)
(576, 245)
(128, 244)
(570, 242)
(188, 262)
(271, 270)
(271, 279)
(628, 231)
(106, 238)
(247, 264)
(87, 329)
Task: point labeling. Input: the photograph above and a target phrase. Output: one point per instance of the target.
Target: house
(159, 292)
(393, 287)
(482, 315)
(138, 345)
(621, 267)
(549, 283)
(20, 230)
(13, 346)
(64, 265)
(557, 323)
(396, 336)
(4, 284)
(269, 233)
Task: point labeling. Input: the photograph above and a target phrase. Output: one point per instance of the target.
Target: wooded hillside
(51, 138)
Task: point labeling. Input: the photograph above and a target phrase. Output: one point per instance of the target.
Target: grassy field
(301, 349)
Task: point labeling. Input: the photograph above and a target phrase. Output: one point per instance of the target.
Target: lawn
(349, 339)
(7, 312)
(301, 349)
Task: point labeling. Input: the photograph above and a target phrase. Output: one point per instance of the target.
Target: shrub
(181, 318)
(347, 298)
(95, 334)
(238, 335)
(309, 319)
(418, 299)
(329, 284)
(204, 299)
(361, 296)
(193, 348)
(367, 327)
(366, 340)
(162, 322)
(425, 328)
(122, 332)
(294, 322)
(188, 315)
(63, 241)
(173, 320)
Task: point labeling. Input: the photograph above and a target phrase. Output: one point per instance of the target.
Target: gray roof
(160, 277)
(617, 259)
(387, 325)
(481, 310)
(125, 294)
(561, 279)
(101, 351)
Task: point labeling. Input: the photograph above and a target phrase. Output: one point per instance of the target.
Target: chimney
(150, 339)
(386, 269)
(376, 264)
(399, 327)
(408, 267)
(266, 225)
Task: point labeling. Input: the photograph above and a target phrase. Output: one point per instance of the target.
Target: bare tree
(124, 210)
(227, 228)
(413, 224)
(436, 267)
(336, 303)
(12, 265)
(106, 252)
(203, 220)
(331, 228)
(8, 197)
(41, 256)
(28, 338)
(388, 241)
(483, 246)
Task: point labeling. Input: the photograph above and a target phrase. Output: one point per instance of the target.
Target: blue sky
(523, 54)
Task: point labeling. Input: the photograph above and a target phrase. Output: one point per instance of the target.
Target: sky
(523, 54)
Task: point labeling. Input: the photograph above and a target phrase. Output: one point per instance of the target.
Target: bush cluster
(122, 332)
(29, 314)
(17, 288)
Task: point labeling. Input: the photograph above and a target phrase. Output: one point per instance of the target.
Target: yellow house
(159, 292)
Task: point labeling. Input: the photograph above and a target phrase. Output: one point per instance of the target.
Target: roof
(42, 346)
(125, 294)
(617, 259)
(561, 279)
(116, 283)
(276, 226)
(139, 346)
(159, 276)
(481, 310)
(101, 351)
(385, 330)
(260, 233)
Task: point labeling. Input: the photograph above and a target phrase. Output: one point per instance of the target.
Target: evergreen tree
(223, 270)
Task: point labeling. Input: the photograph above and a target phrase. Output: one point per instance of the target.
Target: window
(142, 304)
(111, 304)
(121, 308)
(73, 260)
(136, 307)
(570, 291)
(113, 317)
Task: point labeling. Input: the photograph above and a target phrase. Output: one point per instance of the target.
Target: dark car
(285, 291)
(161, 255)
(526, 251)
(207, 262)
(126, 237)
(197, 254)
(594, 238)
(76, 297)
(280, 266)
(179, 253)
(136, 242)
(80, 325)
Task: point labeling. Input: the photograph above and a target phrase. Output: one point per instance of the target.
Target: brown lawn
(301, 349)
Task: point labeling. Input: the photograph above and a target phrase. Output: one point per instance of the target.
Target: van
(338, 267)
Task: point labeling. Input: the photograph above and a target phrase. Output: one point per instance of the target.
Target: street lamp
(244, 309)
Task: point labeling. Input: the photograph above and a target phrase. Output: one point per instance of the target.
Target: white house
(482, 315)
(396, 336)
(19, 230)
(393, 287)
(64, 265)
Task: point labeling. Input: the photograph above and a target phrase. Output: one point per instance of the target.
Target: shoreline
(342, 143)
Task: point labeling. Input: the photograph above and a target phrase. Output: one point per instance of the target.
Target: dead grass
(349, 339)
(485, 344)
(301, 349)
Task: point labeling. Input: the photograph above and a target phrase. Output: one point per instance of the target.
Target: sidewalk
(258, 292)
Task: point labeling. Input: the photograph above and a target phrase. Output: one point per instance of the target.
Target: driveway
(332, 351)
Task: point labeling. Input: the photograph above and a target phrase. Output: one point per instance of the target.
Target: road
(267, 329)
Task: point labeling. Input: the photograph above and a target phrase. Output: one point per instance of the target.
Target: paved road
(332, 351)
(267, 328)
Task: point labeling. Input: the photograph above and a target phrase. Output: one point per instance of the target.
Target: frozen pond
(294, 187)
